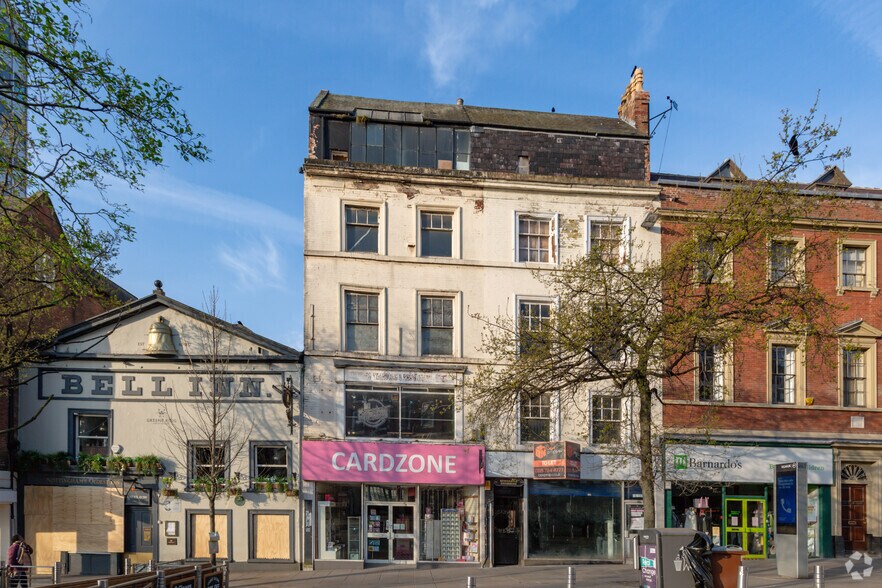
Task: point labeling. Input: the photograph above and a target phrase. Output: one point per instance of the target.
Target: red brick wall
(750, 354)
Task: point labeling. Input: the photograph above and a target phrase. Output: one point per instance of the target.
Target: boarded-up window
(199, 526)
(271, 536)
(77, 519)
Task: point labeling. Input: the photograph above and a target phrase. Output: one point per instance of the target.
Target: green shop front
(726, 490)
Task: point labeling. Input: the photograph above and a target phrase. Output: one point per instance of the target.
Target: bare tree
(210, 433)
(621, 327)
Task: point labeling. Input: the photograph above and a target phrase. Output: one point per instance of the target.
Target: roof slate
(480, 116)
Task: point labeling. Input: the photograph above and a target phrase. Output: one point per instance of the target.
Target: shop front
(394, 503)
(727, 492)
(579, 509)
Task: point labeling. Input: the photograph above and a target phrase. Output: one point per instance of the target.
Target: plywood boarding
(73, 518)
(272, 536)
(199, 526)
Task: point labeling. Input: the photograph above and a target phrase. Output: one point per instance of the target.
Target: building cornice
(805, 223)
(493, 181)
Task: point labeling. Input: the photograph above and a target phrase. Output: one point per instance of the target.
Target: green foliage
(119, 464)
(147, 465)
(70, 120)
(92, 464)
(32, 461)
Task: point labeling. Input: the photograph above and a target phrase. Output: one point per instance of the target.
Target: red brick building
(768, 399)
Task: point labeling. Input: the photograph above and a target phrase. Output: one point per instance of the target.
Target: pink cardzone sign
(395, 463)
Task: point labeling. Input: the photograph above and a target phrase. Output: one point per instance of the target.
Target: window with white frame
(270, 461)
(362, 229)
(207, 461)
(783, 262)
(436, 325)
(606, 420)
(608, 238)
(711, 262)
(784, 374)
(711, 373)
(534, 318)
(362, 321)
(854, 266)
(91, 433)
(536, 239)
(436, 234)
(536, 417)
(854, 377)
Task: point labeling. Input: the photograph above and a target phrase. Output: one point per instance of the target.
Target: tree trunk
(645, 451)
(211, 524)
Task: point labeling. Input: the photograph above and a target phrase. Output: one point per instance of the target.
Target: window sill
(871, 289)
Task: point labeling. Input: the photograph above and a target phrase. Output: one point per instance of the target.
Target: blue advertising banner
(785, 501)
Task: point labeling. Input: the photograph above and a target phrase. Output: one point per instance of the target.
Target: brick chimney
(634, 108)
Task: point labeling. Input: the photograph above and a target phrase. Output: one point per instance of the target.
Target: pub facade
(119, 462)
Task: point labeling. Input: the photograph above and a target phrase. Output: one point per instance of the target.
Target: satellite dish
(116, 449)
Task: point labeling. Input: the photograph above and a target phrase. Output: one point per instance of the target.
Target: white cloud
(165, 196)
(256, 263)
(652, 21)
(463, 32)
(860, 20)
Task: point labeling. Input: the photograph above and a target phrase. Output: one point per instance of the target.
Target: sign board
(188, 582)
(785, 499)
(737, 463)
(212, 580)
(393, 463)
(648, 566)
(556, 460)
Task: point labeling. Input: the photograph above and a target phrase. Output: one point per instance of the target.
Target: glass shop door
(390, 533)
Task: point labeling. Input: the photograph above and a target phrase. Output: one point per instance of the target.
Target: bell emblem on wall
(159, 339)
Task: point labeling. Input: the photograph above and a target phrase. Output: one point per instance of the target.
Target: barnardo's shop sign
(392, 463)
(733, 463)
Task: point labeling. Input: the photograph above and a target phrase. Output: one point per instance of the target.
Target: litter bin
(660, 566)
(725, 562)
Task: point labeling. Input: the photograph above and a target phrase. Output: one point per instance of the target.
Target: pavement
(762, 574)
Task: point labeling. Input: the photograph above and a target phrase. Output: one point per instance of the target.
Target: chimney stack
(634, 108)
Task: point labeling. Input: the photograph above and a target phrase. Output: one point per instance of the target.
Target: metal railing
(156, 574)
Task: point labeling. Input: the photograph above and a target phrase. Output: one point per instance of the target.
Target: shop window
(338, 521)
(91, 433)
(399, 413)
(436, 234)
(574, 520)
(362, 321)
(857, 266)
(270, 461)
(536, 418)
(606, 420)
(436, 326)
(362, 229)
(854, 377)
(449, 524)
(608, 238)
(785, 262)
(207, 461)
(536, 238)
(534, 319)
(713, 374)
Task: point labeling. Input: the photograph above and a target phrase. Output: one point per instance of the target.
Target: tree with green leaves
(622, 329)
(71, 121)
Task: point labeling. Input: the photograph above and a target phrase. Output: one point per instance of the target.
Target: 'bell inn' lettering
(110, 384)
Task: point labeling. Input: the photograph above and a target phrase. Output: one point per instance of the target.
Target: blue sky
(249, 70)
